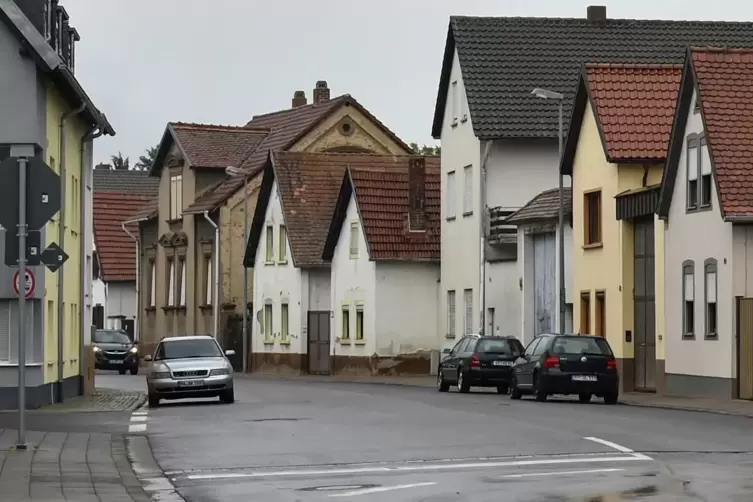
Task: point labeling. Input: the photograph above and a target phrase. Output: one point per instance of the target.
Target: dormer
(61, 27)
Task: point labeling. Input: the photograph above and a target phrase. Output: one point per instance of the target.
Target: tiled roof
(725, 85)
(147, 210)
(125, 181)
(216, 146)
(381, 192)
(116, 250)
(635, 108)
(545, 206)
(503, 59)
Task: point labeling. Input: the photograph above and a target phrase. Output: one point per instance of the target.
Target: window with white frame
(468, 313)
(171, 283)
(152, 283)
(176, 196)
(451, 314)
(688, 296)
(270, 243)
(268, 323)
(467, 190)
(450, 196)
(705, 187)
(345, 332)
(709, 269)
(182, 283)
(284, 329)
(454, 102)
(208, 274)
(359, 323)
(692, 167)
(354, 239)
(282, 247)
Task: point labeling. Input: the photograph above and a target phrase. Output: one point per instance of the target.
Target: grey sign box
(42, 193)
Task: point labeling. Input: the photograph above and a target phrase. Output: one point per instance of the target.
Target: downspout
(61, 238)
(216, 290)
(137, 320)
(483, 227)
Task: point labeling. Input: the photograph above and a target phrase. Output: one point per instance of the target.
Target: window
(359, 322)
(268, 323)
(467, 190)
(270, 258)
(601, 314)
(541, 347)
(585, 313)
(531, 347)
(450, 196)
(47, 21)
(490, 321)
(711, 289)
(592, 214)
(152, 284)
(468, 316)
(454, 102)
(284, 331)
(345, 336)
(176, 196)
(705, 175)
(354, 239)
(282, 250)
(171, 283)
(182, 284)
(451, 314)
(208, 283)
(688, 295)
(692, 173)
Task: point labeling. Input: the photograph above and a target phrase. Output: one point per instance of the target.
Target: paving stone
(100, 400)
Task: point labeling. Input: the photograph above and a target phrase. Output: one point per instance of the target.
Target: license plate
(190, 383)
(502, 363)
(584, 378)
(116, 361)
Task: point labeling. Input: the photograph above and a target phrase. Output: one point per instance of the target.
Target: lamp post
(234, 171)
(559, 98)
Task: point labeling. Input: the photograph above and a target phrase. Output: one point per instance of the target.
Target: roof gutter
(136, 327)
(216, 285)
(739, 219)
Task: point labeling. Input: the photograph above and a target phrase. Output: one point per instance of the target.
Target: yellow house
(615, 153)
(47, 115)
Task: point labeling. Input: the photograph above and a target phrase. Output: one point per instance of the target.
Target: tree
(145, 161)
(425, 149)
(119, 162)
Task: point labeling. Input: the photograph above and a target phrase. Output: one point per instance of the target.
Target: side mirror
(229, 352)
(147, 358)
(446, 350)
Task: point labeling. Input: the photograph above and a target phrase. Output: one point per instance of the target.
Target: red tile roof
(216, 146)
(635, 107)
(725, 86)
(116, 250)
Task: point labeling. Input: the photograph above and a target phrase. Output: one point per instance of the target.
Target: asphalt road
(312, 441)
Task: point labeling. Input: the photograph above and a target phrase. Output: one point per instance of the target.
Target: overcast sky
(148, 62)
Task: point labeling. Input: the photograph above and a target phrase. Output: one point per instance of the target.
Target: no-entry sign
(30, 284)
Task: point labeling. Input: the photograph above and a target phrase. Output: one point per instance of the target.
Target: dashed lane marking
(559, 473)
(138, 421)
(378, 489)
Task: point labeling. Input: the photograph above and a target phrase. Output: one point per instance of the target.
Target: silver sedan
(189, 367)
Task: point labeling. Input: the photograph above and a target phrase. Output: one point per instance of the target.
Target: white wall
(407, 307)
(713, 358)
(276, 284)
(353, 280)
(121, 299)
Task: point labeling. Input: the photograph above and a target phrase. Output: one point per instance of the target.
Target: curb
(140, 402)
(688, 408)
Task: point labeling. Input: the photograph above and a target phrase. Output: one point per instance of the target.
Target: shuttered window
(468, 317)
(451, 314)
(467, 190)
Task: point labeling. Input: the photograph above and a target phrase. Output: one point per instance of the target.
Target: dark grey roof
(125, 181)
(545, 206)
(503, 59)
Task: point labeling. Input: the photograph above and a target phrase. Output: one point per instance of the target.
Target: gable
(268, 184)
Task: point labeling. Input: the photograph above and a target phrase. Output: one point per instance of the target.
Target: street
(298, 441)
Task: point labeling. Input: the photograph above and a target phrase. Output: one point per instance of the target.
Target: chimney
(417, 194)
(321, 92)
(596, 13)
(103, 167)
(299, 99)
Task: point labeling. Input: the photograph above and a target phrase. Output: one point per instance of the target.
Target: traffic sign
(33, 248)
(42, 193)
(30, 284)
(54, 257)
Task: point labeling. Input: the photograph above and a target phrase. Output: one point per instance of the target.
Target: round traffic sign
(30, 284)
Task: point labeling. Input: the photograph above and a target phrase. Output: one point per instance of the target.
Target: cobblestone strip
(100, 400)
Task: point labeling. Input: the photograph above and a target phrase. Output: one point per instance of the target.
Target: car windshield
(111, 336)
(494, 347)
(186, 349)
(581, 345)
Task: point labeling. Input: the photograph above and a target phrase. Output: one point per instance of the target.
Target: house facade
(499, 143)
(707, 202)
(48, 115)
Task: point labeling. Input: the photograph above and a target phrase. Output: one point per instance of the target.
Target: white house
(707, 200)
(384, 246)
(499, 142)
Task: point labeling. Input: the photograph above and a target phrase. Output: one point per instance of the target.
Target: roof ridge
(607, 21)
(634, 66)
(722, 50)
(216, 127)
(299, 108)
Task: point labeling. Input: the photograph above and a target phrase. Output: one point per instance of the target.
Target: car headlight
(96, 349)
(134, 350)
(159, 375)
(219, 371)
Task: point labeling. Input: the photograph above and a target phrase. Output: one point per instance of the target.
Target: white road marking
(379, 489)
(559, 473)
(618, 447)
(414, 468)
(138, 418)
(137, 428)
(140, 412)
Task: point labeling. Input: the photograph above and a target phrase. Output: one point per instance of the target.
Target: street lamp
(235, 171)
(556, 96)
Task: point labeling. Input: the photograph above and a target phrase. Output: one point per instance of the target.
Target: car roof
(570, 335)
(188, 337)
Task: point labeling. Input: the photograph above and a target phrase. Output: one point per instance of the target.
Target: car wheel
(442, 386)
(122, 371)
(463, 385)
(584, 397)
(610, 398)
(227, 396)
(503, 389)
(153, 401)
(514, 390)
(538, 394)
(134, 370)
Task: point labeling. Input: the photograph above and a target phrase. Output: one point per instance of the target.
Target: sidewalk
(67, 466)
(734, 407)
(100, 400)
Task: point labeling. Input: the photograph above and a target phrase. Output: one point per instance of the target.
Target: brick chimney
(321, 92)
(596, 13)
(299, 99)
(417, 194)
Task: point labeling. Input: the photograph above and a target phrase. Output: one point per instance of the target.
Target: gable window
(359, 323)
(268, 323)
(345, 334)
(282, 249)
(688, 296)
(284, 329)
(450, 196)
(176, 196)
(468, 314)
(592, 214)
(467, 190)
(354, 239)
(705, 174)
(585, 313)
(454, 103)
(451, 314)
(270, 243)
(171, 283)
(601, 314)
(709, 269)
(699, 184)
(692, 166)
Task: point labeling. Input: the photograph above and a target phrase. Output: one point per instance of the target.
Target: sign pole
(21, 443)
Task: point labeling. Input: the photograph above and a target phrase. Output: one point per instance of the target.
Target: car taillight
(552, 362)
(612, 365)
(475, 361)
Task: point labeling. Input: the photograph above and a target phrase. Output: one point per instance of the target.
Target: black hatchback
(567, 364)
(479, 361)
(114, 350)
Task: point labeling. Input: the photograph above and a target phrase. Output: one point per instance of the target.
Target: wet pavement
(299, 441)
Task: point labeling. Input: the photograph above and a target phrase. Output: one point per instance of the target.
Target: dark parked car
(114, 350)
(479, 361)
(567, 364)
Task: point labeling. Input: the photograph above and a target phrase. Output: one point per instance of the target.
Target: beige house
(178, 233)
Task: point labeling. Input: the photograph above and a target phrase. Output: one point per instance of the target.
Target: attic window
(346, 128)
